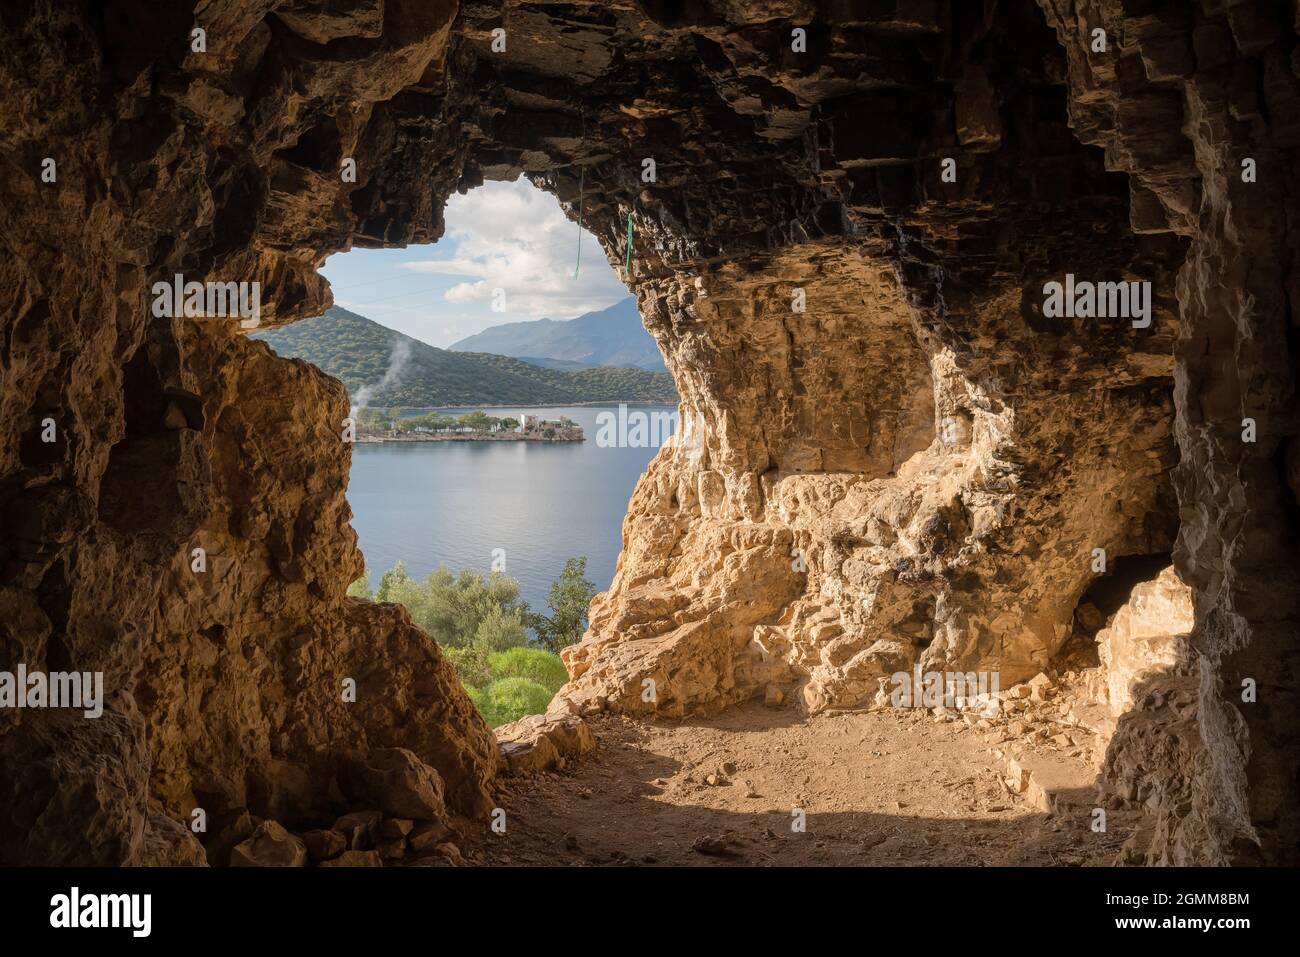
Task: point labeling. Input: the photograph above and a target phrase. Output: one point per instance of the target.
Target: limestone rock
(451, 853)
(399, 783)
(393, 828)
(1146, 638)
(229, 830)
(426, 836)
(541, 742)
(323, 845)
(169, 843)
(270, 846)
(358, 828)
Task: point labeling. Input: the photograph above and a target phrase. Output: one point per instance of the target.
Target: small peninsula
(374, 425)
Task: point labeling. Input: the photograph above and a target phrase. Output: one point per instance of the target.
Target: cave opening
(840, 236)
(506, 398)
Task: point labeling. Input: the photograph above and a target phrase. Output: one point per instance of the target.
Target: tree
(482, 626)
(500, 629)
(392, 583)
(478, 421)
(369, 420)
(571, 594)
(472, 666)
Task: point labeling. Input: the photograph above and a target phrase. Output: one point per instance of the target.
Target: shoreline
(612, 403)
(464, 437)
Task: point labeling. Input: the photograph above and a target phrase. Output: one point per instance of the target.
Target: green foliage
(537, 665)
(461, 610)
(373, 420)
(361, 587)
(476, 421)
(392, 584)
(435, 421)
(471, 664)
(511, 698)
(359, 351)
(482, 627)
(570, 595)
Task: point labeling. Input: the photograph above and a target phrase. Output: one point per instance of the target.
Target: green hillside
(387, 368)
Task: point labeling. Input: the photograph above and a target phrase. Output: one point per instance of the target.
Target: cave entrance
(498, 382)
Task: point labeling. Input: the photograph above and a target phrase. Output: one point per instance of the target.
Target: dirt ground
(877, 788)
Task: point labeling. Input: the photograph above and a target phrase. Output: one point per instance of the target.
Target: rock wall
(883, 479)
(918, 467)
(225, 688)
(1196, 91)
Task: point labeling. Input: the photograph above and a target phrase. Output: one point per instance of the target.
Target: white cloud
(515, 237)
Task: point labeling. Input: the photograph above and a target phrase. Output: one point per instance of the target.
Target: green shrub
(536, 664)
(511, 698)
(471, 665)
(482, 626)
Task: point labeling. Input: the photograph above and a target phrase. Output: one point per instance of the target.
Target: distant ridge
(610, 337)
(383, 367)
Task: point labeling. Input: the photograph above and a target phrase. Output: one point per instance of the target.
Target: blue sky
(509, 236)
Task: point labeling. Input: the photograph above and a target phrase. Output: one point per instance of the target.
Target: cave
(839, 220)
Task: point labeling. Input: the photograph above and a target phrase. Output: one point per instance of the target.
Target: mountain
(386, 368)
(564, 364)
(610, 337)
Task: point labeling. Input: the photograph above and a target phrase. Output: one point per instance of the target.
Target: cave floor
(878, 788)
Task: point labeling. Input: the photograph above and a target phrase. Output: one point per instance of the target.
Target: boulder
(399, 783)
(428, 835)
(544, 742)
(323, 845)
(358, 828)
(395, 827)
(270, 845)
(169, 843)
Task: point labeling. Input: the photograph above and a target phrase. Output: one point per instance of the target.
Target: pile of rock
(1053, 734)
(357, 839)
(406, 819)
